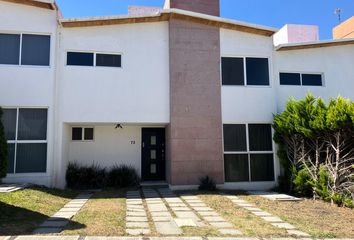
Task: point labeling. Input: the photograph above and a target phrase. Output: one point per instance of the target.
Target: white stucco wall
(136, 93)
(30, 86)
(335, 63)
(249, 104)
(110, 147)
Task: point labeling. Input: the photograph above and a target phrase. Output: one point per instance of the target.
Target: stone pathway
(137, 222)
(8, 188)
(210, 215)
(57, 222)
(274, 196)
(275, 221)
(161, 216)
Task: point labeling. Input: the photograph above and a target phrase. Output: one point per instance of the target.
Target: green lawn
(22, 211)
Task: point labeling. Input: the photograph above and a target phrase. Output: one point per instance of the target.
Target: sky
(273, 13)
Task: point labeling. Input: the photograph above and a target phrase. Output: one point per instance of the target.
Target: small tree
(3, 150)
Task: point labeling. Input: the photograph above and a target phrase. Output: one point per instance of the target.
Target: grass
(22, 211)
(318, 218)
(102, 215)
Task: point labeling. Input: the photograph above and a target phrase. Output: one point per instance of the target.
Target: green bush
(3, 150)
(207, 184)
(122, 176)
(302, 183)
(82, 177)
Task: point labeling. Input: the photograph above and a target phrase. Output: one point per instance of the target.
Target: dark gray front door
(153, 154)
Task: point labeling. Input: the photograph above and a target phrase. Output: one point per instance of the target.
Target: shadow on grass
(20, 221)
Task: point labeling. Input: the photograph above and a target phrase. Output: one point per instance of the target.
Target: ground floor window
(82, 134)
(26, 134)
(248, 152)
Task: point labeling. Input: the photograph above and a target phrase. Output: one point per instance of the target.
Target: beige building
(344, 30)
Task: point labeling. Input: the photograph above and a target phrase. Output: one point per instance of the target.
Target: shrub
(3, 150)
(122, 176)
(207, 184)
(82, 177)
(302, 183)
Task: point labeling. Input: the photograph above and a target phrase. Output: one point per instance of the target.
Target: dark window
(76, 134)
(10, 157)
(9, 122)
(9, 48)
(257, 71)
(88, 134)
(312, 79)
(290, 79)
(108, 60)
(260, 137)
(31, 158)
(236, 168)
(262, 167)
(79, 59)
(35, 50)
(32, 124)
(232, 71)
(235, 138)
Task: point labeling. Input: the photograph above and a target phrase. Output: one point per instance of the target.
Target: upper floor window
(25, 49)
(245, 71)
(93, 59)
(298, 79)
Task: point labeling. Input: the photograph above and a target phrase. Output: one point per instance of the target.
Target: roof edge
(45, 4)
(317, 44)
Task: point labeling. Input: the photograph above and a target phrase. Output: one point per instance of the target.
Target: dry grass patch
(318, 218)
(242, 219)
(22, 211)
(102, 215)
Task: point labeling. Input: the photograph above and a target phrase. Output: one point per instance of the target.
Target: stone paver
(168, 228)
(137, 225)
(262, 214)
(136, 217)
(137, 232)
(214, 219)
(208, 213)
(228, 231)
(136, 214)
(221, 225)
(59, 220)
(284, 225)
(181, 222)
(298, 233)
(272, 219)
(187, 215)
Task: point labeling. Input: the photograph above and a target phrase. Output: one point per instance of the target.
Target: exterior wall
(30, 86)
(194, 135)
(295, 33)
(210, 7)
(344, 30)
(249, 104)
(336, 64)
(110, 147)
(136, 93)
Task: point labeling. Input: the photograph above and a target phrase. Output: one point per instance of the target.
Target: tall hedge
(3, 149)
(316, 148)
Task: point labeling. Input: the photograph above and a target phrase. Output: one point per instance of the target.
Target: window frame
(248, 152)
(244, 57)
(20, 50)
(16, 141)
(83, 133)
(302, 73)
(94, 58)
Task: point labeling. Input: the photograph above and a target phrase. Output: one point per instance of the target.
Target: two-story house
(178, 93)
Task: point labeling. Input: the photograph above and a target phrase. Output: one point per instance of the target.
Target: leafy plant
(3, 150)
(82, 177)
(207, 184)
(122, 176)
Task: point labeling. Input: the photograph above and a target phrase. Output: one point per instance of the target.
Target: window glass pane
(32, 124)
(312, 79)
(232, 71)
(153, 168)
(290, 79)
(76, 134)
(9, 122)
(108, 60)
(35, 50)
(153, 140)
(257, 71)
(31, 158)
(79, 59)
(262, 167)
(236, 168)
(10, 157)
(235, 138)
(153, 154)
(88, 134)
(260, 137)
(9, 48)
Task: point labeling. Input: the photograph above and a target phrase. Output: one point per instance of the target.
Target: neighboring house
(178, 93)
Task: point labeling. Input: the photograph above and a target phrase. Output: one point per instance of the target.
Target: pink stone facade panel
(302, 33)
(142, 10)
(194, 135)
(210, 7)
